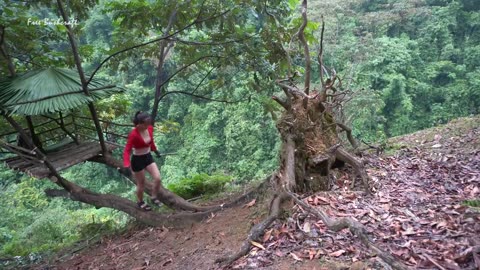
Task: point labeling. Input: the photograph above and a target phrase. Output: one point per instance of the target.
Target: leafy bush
(199, 184)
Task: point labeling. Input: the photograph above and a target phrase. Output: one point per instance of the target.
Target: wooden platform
(67, 156)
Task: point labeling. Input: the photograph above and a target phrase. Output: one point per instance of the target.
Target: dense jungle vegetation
(411, 64)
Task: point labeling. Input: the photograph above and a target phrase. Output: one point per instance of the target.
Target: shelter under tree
(49, 103)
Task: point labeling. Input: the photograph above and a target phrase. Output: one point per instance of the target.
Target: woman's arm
(153, 147)
(128, 149)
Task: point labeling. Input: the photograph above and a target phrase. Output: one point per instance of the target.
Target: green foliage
(472, 203)
(415, 56)
(43, 91)
(239, 139)
(368, 124)
(34, 224)
(199, 184)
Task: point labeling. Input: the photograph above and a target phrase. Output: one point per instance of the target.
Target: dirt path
(196, 247)
(161, 248)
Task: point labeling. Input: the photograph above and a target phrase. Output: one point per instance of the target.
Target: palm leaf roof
(49, 90)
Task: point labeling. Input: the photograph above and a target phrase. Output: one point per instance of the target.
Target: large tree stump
(310, 145)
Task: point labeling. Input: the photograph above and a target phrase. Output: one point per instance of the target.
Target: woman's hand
(125, 171)
(157, 153)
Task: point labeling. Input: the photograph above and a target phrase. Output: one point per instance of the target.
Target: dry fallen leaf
(212, 215)
(319, 253)
(167, 262)
(442, 224)
(267, 235)
(250, 204)
(323, 199)
(257, 245)
(295, 256)
(474, 191)
(337, 253)
(306, 227)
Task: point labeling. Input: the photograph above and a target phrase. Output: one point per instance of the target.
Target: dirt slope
(418, 215)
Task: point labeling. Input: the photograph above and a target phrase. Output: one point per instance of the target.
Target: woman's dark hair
(141, 117)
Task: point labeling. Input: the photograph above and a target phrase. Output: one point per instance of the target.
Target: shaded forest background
(412, 64)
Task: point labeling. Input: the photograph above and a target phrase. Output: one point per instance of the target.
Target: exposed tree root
(355, 227)
(357, 165)
(350, 138)
(257, 230)
(335, 225)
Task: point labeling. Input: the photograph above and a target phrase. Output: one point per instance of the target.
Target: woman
(141, 141)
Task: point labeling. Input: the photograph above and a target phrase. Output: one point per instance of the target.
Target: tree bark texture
(308, 133)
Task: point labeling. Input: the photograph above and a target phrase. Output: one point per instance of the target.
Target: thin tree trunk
(83, 80)
(159, 82)
(36, 140)
(4, 52)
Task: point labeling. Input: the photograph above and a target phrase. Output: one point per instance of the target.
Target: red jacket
(135, 140)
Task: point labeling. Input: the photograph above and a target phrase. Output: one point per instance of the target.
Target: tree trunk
(164, 48)
(310, 142)
(83, 79)
(152, 218)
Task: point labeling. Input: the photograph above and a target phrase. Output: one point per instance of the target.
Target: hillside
(423, 213)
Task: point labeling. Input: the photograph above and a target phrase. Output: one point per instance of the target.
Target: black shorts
(141, 162)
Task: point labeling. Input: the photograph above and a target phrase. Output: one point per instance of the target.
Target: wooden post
(31, 128)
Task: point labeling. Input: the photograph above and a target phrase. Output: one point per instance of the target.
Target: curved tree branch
(205, 77)
(348, 130)
(306, 52)
(205, 98)
(292, 90)
(196, 43)
(357, 165)
(282, 103)
(196, 21)
(168, 198)
(320, 55)
(183, 68)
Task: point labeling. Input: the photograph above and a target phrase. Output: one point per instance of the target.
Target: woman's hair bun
(140, 117)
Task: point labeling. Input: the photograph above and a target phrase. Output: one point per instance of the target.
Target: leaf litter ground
(418, 214)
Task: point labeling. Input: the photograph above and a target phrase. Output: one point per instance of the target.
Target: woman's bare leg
(140, 177)
(155, 173)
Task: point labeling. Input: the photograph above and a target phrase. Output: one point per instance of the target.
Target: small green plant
(472, 203)
(199, 184)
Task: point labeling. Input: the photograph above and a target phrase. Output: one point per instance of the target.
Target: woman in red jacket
(141, 141)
